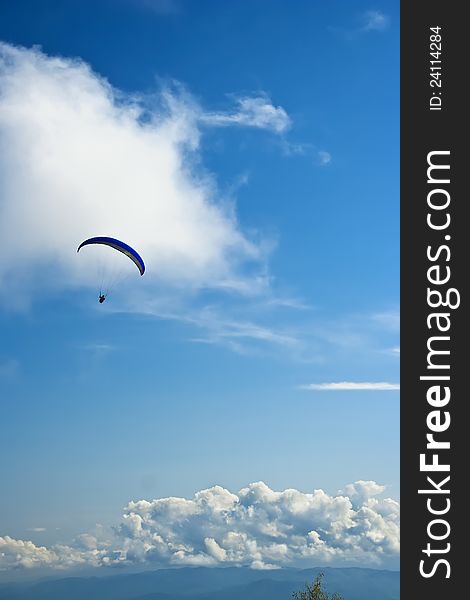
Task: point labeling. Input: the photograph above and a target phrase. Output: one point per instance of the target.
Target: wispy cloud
(37, 529)
(256, 111)
(287, 302)
(237, 333)
(270, 323)
(324, 158)
(255, 526)
(290, 148)
(374, 20)
(388, 320)
(99, 348)
(367, 22)
(320, 158)
(351, 386)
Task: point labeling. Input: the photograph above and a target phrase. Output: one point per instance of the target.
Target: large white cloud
(258, 527)
(79, 158)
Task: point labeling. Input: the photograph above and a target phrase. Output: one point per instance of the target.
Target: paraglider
(122, 247)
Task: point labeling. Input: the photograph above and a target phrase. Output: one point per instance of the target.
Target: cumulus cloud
(80, 158)
(352, 386)
(257, 526)
(258, 112)
(24, 554)
(362, 491)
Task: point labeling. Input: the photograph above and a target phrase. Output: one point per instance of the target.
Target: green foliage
(315, 591)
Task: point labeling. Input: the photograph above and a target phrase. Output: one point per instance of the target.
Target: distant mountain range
(209, 584)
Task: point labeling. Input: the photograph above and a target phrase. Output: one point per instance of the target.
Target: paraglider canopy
(117, 245)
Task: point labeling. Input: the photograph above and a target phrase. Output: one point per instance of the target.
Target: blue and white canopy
(120, 246)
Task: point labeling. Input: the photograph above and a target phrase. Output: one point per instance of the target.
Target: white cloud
(324, 158)
(352, 386)
(294, 148)
(374, 20)
(24, 554)
(228, 326)
(288, 302)
(219, 329)
(80, 158)
(258, 112)
(362, 491)
(320, 158)
(257, 526)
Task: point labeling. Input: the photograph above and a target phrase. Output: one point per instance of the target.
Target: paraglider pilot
(102, 298)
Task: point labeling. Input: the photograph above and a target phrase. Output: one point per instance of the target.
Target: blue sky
(275, 129)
